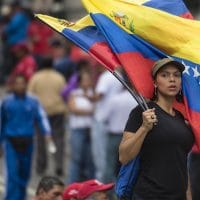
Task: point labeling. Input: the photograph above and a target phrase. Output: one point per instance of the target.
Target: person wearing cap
(71, 192)
(161, 138)
(94, 190)
(90, 189)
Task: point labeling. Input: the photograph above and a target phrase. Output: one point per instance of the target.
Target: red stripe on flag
(138, 69)
(103, 54)
(194, 119)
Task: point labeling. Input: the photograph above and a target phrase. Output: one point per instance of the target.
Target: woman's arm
(132, 142)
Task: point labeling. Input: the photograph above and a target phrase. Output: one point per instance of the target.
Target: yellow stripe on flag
(60, 24)
(174, 35)
(140, 2)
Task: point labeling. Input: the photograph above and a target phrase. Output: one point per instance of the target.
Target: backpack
(126, 179)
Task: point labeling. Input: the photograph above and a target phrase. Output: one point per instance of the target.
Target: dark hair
(16, 3)
(81, 73)
(47, 183)
(56, 43)
(46, 62)
(83, 64)
(179, 96)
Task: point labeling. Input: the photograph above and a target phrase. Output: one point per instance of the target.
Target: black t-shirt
(163, 156)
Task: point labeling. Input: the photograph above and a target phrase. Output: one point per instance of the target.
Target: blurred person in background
(95, 190)
(38, 6)
(107, 85)
(73, 80)
(47, 85)
(81, 109)
(19, 112)
(61, 60)
(71, 192)
(14, 31)
(90, 189)
(77, 54)
(49, 188)
(39, 37)
(4, 17)
(115, 116)
(26, 63)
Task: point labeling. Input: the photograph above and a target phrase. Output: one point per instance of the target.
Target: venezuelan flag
(175, 7)
(137, 58)
(85, 35)
(136, 55)
(75, 35)
(173, 35)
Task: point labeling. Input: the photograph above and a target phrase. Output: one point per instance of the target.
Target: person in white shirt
(115, 115)
(107, 86)
(80, 122)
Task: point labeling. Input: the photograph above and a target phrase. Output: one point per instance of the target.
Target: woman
(161, 137)
(80, 120)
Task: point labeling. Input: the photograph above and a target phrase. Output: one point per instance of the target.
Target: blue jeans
(81, 165)
(99, 140)
(18, 169)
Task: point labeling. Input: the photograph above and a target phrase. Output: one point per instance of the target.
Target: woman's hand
(149, 119)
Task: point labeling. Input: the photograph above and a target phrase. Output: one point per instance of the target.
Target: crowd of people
(53, 103)
(59, 99)
(52, 188)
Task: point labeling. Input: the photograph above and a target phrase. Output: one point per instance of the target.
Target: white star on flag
(196, 72)
(187, 67)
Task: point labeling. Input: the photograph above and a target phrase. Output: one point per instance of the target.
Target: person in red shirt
(26, 64)
(39, 37)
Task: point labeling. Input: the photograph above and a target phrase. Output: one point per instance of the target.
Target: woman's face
(168, 81)
(86, 81)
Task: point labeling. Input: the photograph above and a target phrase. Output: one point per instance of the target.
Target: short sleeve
(134, 120)
(102, 85)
